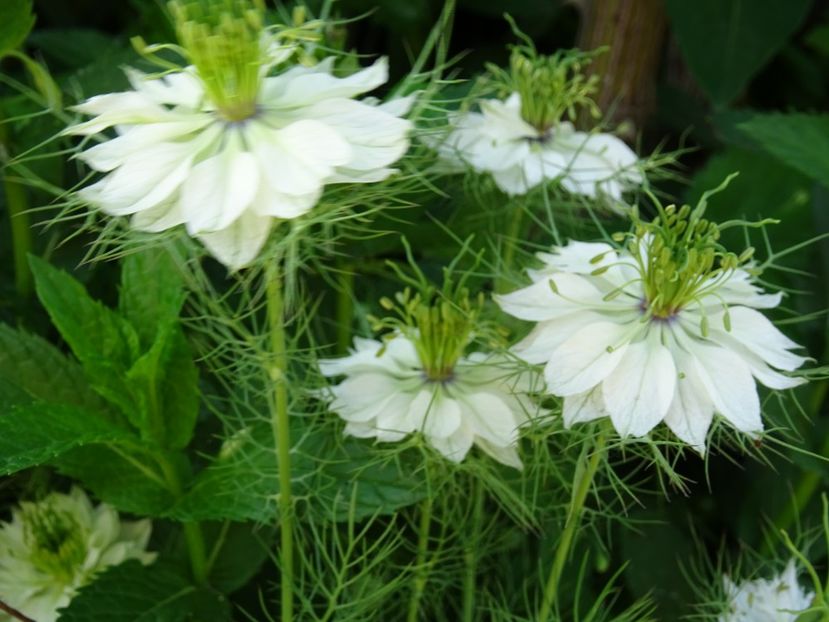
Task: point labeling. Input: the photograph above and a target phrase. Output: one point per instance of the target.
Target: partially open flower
(780, 599)
(665, 328)
(421, 381)
(53, 547)
(225, 148)
(524, 140)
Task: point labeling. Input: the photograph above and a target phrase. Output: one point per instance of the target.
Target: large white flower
(520, 156)
(53, 547)
(227, 169)
(766, 600)
(642, 339)
(387, 394)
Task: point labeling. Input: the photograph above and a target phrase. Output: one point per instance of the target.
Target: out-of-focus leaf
(73, 47)
(17, 20)
(244, 548)
(34, 433)
(132, 592)
(126, 480)
(725, 42)
(800, 141)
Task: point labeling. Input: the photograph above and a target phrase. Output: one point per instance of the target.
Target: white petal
(456, 445)
(220, 188)
(691, 411)
(362, 397)
(505, 455)
(538, 302)
(583, 407)
(295, 89)
(587, 358)
(240, 243)
(491, 418)
(729, 384)
(639, 391)
(440, 414)
(538, 346)
(116, 109)
(752, 329)
(163, 216)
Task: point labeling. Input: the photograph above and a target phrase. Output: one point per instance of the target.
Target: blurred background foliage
(736, 85)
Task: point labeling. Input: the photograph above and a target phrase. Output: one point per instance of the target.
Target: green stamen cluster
(440, 328)
(223, 40)
(55, 539)
(551, 87)
(682, 258)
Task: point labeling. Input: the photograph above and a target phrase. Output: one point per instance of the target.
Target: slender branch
(280, 424)
(14, 613)
(422, 570)
(583, 479)
(345, 308)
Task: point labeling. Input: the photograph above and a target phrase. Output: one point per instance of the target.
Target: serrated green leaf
(152, 292)
(37, 432)
(726, 42)
(17, 20)
(800, 141)
(165, 382)
(41, 370)
(129, 481)
(132, 592)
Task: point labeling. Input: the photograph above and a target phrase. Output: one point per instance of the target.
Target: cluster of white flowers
(780, 599)
(55, 546)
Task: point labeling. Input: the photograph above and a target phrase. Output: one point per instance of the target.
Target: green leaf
(73, 47)
(152, 292)
(15, 25)
(800, 141)
(41, 370)
(132, 592)
(165, 382)
(38, 432)
(726, 42)
(129, 481)
(244, 549)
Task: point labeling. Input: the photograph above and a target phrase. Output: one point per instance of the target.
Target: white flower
(644, 338)
(766, 600)
(226, 171)
(387, 394)
(520, 156)
(56, 545)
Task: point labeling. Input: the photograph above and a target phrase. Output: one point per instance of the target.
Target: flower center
(680, 259)
(56, 540)
(224, 41)
(550, 87)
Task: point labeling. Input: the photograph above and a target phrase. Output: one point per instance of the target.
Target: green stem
(582, 481)
(511, 241)
(471, 555)
(345, 308)
(280, 424)
(18, 207)
(192, 530)
(421, 571)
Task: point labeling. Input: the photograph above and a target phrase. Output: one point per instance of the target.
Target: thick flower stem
(511, 241)
(345, 308)
(193, 535)
(421, 570)
(18, 207)
(471, 555)
(585, 472)
(280, 424)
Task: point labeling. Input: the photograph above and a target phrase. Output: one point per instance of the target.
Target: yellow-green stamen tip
(223, 40)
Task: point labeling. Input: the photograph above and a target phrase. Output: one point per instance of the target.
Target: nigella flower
(665, 328)
(419, 380)
(53, 547)
(780, 599)
(523, 141)
(224, 148)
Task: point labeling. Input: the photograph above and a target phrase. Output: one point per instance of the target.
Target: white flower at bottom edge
(520, 157)
(176, 160)
(610, 357)
(766, 600)
(55, 546)
(386, 395)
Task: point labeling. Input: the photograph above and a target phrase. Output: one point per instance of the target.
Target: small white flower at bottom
(55, 546)
(766, 600)
(387, 395)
